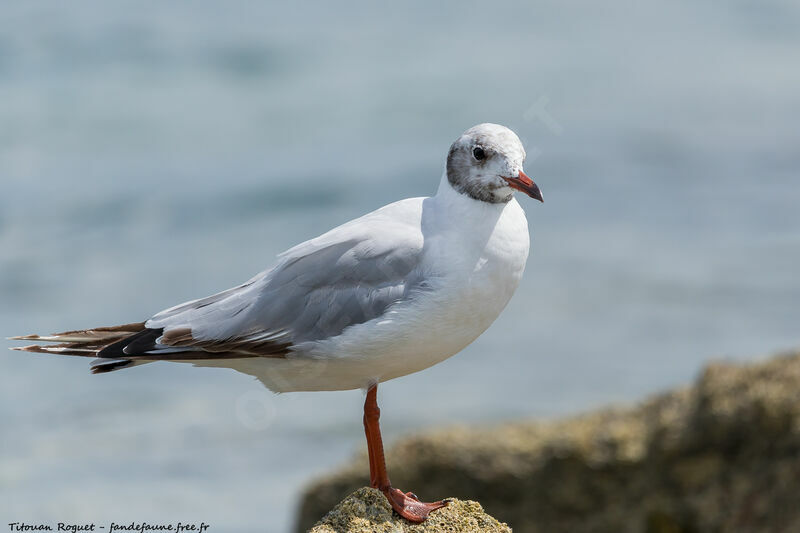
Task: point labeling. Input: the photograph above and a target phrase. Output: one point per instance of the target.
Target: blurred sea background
(152, 153)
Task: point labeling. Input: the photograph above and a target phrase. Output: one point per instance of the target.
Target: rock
(722, 455)
(367, 511)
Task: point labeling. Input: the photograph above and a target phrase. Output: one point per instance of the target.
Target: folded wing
(347, 276)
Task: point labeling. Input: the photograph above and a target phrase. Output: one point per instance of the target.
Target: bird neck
(458, 204)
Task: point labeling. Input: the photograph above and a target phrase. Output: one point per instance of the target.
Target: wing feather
(347, 276)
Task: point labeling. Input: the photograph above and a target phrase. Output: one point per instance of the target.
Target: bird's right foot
(407, 505)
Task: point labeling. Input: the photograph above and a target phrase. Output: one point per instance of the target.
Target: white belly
(464, 300)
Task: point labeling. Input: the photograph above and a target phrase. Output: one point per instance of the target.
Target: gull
(382, 296)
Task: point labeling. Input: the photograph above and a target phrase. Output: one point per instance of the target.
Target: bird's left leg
(405, 503)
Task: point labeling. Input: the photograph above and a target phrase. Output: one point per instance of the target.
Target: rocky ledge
(367, 511)
(722, 455)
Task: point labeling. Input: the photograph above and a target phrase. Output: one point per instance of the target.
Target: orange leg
(406, 504)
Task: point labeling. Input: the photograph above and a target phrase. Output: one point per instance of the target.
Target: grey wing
(316, 291)
(348, 276)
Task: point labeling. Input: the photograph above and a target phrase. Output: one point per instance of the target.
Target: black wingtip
(140, 342)
(109, 366)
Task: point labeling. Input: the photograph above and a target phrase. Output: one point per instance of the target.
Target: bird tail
(85, 343)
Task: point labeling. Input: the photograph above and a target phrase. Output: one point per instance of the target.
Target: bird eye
(478, 153)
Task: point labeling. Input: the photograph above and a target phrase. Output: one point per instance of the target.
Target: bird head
(485, 163)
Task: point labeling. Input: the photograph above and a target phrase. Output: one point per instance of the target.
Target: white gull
(385, 295)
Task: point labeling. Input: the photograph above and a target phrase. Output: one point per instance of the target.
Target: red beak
(525, 184)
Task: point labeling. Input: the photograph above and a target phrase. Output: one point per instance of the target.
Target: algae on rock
(722, 455)
(367, 511)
